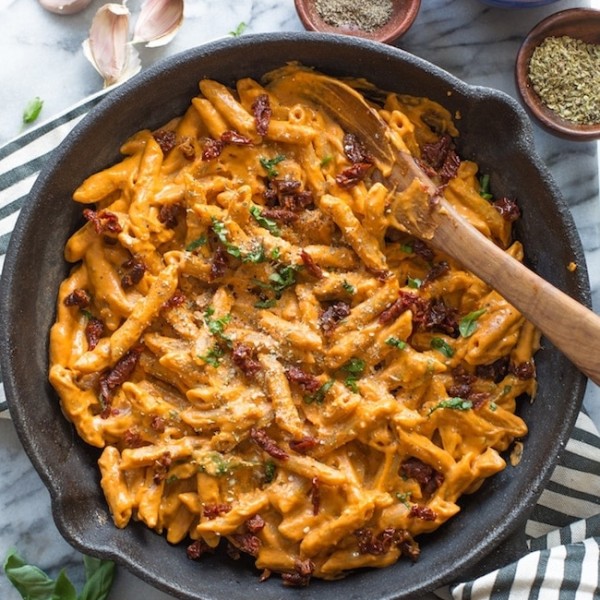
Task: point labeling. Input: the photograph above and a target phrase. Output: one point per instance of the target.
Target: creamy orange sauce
(197, 440)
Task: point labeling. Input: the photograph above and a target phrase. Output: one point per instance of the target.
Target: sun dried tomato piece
(422, 250)
(197, 549)
(369, 543)
(166, 139)
(212, 149)
(311, 266)
(269, 445)
(245, 360)
(158, 424)
(303, 570)
(425, 475)
(495, 371)
(355, 150)
(161, 467)
(255, 524)
(219, 263)
(177, 299)
(123, 368)
(422, 512)
(309, 383)
(303, 445)
(246, 542)
(212, 511)
(235, 138)
(441, 317)
(78, 297)
(135, 272)
(508, 208)
(332, 315)
(94, 330)
(284, 215)
(103, 221)
(353, 175)
(315, 495)
(524, 370)
(261, 109)
(168, 214)
(438, 270)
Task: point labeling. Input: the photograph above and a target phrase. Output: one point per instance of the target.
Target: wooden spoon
(570, 326)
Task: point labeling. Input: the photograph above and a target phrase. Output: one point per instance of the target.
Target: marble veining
(40, 55)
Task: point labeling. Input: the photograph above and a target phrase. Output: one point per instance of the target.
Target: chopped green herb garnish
(348, 287)
(268, 303)
(213, 356)
(404, 497)
(326, 160)
(506, 389)
(396, 342)
(256, 255)
(414, 282)
(484, 187)
(269, 165)
(238, 30)
(468, 324)
(283, 278)
(276, 253)
(442, 346)
(270, 225)
(453, 403)
(217, 326)
(355, 367)
(195, 244)
(493, 406)
(319, 396)
(406, 248)
(270, 470)
(32, 110)
(219, 228)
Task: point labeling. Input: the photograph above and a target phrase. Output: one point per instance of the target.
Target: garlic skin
(158, 22)
(64, 7)
(108, 48)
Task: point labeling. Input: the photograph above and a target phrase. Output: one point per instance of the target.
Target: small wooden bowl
(578, 23)
(403, 16)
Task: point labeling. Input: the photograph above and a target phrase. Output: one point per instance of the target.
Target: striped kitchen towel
(563, 531)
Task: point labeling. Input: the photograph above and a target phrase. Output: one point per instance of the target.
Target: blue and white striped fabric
(563, 531)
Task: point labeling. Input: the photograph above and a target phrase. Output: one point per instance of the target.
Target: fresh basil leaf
(468, 324)
(453, 403)
(30, 581)
(269, 165)
(442, 346)
(32, 110)
(396, 342)
(63, 588)
(414, 282)
(99, 578)
(269, 224)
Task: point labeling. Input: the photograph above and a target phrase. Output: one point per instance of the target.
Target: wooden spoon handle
(570, 326)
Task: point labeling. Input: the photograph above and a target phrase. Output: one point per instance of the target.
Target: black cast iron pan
(494, 131)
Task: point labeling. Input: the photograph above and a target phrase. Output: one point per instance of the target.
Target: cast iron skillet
(494, 131)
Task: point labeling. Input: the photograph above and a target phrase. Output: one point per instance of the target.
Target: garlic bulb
(64, 7)
(158, 22)
(108, 49)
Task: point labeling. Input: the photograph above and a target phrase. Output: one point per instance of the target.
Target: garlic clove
(64, 7)
(158, 22)
(108, 49)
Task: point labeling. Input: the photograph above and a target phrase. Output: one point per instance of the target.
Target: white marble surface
(40, 55)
